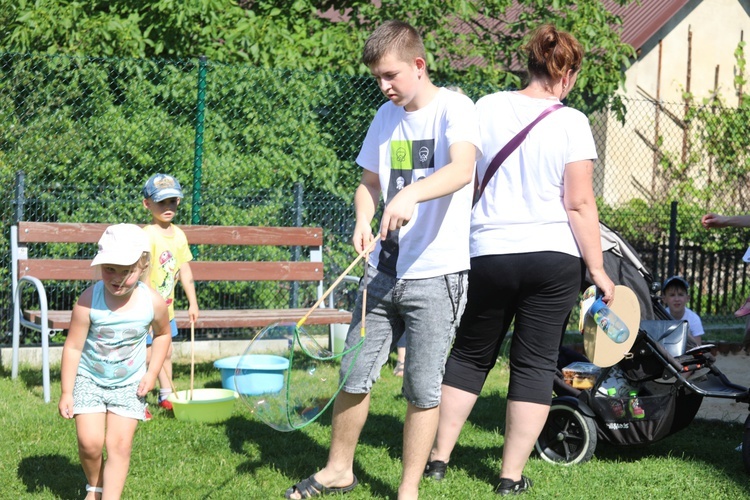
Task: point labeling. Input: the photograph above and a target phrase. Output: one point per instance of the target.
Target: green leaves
(463, 46)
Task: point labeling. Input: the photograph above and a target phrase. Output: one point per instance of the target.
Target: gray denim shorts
(427, 311)
(89, 397)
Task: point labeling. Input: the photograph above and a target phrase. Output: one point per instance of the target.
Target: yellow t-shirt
(168, 253)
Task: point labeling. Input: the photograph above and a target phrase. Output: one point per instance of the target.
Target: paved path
(737, 369)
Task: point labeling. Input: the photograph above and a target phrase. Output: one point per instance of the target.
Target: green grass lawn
(243, 458)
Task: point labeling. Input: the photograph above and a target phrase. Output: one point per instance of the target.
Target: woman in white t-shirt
(534, 233)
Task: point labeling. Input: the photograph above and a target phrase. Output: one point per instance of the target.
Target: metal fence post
(298, 206)
(19, 199)
(672, 239)
(12, 312)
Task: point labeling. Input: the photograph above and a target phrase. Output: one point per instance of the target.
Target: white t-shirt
(522, 208)
(694, 322)
(403, 147)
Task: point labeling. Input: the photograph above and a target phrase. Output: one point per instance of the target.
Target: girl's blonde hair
(143, 262)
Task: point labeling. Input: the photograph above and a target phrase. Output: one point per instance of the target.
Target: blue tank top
(115, 351)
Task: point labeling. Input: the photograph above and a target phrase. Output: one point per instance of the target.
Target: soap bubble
(286, 378)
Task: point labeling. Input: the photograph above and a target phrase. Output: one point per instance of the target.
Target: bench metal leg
(44, 330)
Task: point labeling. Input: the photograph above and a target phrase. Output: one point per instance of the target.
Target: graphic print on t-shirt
(410, 162)
(168, 270)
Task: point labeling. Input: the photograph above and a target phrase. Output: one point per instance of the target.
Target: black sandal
(435, 470)
(510, 487)
(309, 488)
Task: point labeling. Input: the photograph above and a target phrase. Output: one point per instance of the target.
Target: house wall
(627, 163)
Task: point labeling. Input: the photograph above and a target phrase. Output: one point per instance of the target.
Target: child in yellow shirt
(170, 260)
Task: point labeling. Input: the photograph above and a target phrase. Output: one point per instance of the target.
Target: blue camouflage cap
(162, 186)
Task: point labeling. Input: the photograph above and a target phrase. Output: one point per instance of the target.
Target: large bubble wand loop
(292, 391)
(291, 423)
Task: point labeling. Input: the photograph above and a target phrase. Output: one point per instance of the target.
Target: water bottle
(608, 321)
(617, 407)
(636, 410)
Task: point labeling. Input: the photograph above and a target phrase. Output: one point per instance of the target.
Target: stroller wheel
(568, 437)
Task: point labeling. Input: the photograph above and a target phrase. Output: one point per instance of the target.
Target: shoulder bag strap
(511, 146)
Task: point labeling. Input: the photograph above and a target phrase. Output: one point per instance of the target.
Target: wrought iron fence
(255, 146)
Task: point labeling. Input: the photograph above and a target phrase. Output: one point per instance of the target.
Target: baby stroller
(669, 379)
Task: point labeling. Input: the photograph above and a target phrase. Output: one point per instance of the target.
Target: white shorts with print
(90, 397)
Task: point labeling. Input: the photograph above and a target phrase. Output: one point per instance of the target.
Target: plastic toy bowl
(207, 405)
(253, 374)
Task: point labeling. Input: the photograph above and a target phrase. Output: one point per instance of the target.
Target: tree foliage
(96, 95)
(468, 41)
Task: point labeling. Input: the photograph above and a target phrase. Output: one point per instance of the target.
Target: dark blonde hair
(144, 262)
(551, 53)
(393, 37)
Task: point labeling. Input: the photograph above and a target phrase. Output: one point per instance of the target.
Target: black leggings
(538, 291)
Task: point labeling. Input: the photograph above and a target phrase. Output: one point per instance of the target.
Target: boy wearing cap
(675, 295)
(104, 378)
(170, 257)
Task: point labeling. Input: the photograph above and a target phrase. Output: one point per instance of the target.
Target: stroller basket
(619, 424)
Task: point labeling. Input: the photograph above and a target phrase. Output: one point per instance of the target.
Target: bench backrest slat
(79, 269)
(53, 232)
(69, 232)
(257, 271)
(56, 269)
(244, 235)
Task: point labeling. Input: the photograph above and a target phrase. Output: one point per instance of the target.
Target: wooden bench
(36, 271)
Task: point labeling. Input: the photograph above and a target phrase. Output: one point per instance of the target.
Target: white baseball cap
(122, 245)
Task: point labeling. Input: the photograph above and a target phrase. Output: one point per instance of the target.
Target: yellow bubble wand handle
(361, 255)
(364, 302)
(192, 359)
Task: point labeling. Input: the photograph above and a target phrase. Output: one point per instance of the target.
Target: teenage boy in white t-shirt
(419, 153)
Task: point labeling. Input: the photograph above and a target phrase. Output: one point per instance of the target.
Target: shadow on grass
(385, 432)
(31, 378)
(710, 443)
(54, 473)
(298, 456)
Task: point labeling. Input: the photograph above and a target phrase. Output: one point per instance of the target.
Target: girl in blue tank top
(104, 375)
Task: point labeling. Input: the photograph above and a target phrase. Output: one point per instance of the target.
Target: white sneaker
(739, 448)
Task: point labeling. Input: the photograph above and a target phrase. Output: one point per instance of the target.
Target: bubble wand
(290, 420)
(362, 254)
(295, 410)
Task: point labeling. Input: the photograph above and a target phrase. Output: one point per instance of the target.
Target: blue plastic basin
(253, 374)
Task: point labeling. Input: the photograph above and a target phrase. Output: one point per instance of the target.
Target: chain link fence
(254, 146)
